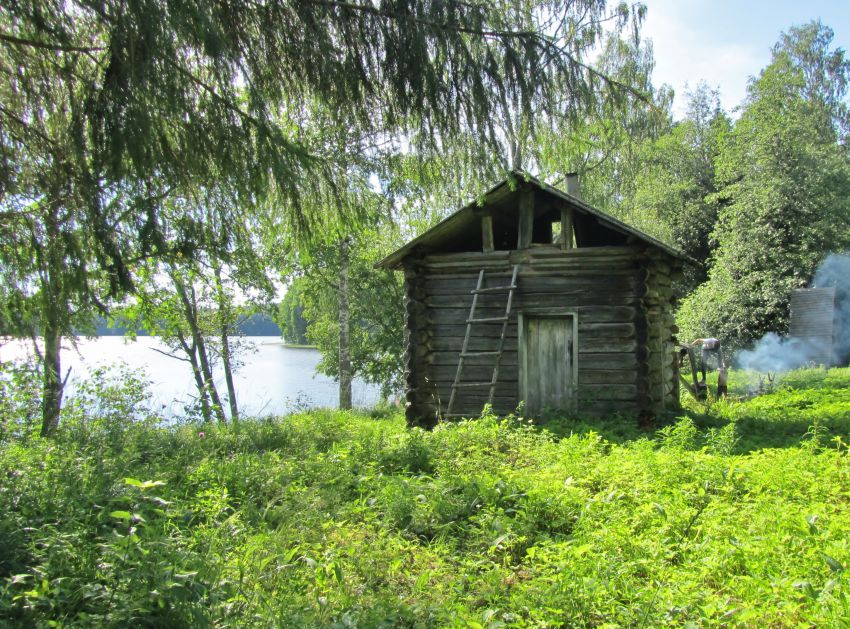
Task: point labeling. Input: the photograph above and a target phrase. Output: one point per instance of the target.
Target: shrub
(679, 436)
(20, 401)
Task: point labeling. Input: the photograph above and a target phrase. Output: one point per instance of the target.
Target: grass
(734, 514)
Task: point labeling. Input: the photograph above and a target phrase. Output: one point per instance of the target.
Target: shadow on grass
(758, 433)
(806, 402)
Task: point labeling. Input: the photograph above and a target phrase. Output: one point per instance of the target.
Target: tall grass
(338, 519)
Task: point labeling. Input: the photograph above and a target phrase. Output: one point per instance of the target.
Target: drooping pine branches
(178, 89)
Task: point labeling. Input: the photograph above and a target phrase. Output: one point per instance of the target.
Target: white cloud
(686, 55)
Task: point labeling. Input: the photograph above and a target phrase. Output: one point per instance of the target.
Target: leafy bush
(679, 436)
(20, 400)
(722, 440)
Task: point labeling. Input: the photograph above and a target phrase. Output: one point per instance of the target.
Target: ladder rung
(487, 320)
(468, 385)
(467, 354)
(494, 289)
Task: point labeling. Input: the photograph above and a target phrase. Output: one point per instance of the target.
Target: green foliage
(784, 189)
(224, 76)
(376, 298)
(106, 401)
(605, 147)
(679, 436)
(810, 406)
(20, 401)
(290, 316)
(671, 190)
(723, 440)
(325, 519)
(188, 297)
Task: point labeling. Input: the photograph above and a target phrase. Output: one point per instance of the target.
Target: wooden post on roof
(573, 188)
(567, 225)
(567, 228)
(526, 219)
(487, 233)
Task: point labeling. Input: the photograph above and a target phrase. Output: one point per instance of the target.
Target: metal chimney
(573, 188)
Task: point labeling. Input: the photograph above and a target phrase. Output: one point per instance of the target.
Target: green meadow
(734, 513)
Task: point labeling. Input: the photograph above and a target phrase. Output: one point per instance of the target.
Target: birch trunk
(224, 319)
(52, 383)
(51, 298)
(187, 298)
(344, 329)
(192, 353)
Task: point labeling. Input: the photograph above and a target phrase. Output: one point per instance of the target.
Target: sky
(726, 42)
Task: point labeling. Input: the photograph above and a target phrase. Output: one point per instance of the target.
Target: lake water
(273, 380)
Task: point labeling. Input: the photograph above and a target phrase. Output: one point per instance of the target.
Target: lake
(273, 380)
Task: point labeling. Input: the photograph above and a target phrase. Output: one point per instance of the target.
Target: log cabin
(530, 296)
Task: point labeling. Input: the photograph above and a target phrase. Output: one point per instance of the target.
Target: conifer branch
(32, 43)
(377, 12)
(28, 128)
(213, 93)
(546, 43)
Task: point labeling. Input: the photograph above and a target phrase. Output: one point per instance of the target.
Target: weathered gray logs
(420, 409)
(622, 301)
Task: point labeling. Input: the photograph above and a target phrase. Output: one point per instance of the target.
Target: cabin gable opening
(531, 219)
(522, 213)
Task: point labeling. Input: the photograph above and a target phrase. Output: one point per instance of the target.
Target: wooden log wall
(421, 408)
(609, 288)
(659, 305)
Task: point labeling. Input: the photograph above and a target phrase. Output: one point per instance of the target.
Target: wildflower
(201, 435)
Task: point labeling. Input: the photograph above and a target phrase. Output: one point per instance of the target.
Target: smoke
(835, 271)
(775, 353)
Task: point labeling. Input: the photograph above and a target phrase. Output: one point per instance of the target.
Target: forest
(179, 168)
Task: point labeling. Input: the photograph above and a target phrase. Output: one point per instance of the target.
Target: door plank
(548, 363)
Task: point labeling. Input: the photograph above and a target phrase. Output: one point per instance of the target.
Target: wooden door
(547, 351)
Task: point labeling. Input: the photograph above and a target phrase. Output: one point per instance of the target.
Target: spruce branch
(43, 45)
(456, 28)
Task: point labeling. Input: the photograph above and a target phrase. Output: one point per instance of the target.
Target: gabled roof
(466, 220)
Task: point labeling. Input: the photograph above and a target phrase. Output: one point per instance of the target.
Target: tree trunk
(52, 383)
(224, 320)
(206, 369)
(344, 329)
(51, 302)
(190, 310)
(228, 373)
(192, 353)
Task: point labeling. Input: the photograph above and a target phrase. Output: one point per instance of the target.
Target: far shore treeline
(258, 324)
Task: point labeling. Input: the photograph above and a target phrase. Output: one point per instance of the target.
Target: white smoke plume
(835, 271)
(775, 353)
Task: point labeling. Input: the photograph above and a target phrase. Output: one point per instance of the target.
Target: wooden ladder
(497, 354)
